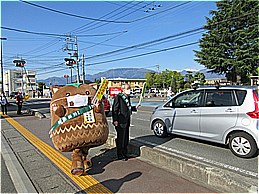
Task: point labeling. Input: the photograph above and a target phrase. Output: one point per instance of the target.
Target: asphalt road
(212, 153)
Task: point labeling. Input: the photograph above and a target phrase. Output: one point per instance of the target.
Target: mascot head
(77, 122)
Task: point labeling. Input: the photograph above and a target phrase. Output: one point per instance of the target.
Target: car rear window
(241, 94)
(220, 98)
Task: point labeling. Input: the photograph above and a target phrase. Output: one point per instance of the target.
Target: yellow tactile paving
(86, 182)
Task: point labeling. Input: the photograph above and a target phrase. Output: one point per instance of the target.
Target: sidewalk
(29, 169)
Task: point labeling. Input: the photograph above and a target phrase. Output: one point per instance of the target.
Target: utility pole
(72, 47)
(2, 68)
(157, 66)
(77, 62)
(83, 68)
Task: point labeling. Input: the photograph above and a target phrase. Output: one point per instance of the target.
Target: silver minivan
(226, 115)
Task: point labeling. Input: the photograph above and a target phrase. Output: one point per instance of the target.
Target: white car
(226, 115)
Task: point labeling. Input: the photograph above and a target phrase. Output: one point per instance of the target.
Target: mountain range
(133, 73)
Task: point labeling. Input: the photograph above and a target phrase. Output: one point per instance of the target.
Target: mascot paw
(77, 171)
(60, 110)
(77, 167)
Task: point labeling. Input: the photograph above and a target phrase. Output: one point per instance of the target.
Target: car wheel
(243, 145)
(159, 129)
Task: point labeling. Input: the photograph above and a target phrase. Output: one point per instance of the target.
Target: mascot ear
(54, 89)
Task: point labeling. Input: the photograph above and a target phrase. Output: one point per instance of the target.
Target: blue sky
(45, 54)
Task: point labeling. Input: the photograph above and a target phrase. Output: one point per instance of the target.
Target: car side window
(241, 94)
(186, 99)
(220, 98)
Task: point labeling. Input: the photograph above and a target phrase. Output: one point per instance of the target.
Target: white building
(19, 80)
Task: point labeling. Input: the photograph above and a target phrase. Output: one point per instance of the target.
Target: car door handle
(194, 111)
(229, 110)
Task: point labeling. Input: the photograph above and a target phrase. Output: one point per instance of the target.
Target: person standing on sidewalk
(121, 113)
(19, 101)
(4, 104)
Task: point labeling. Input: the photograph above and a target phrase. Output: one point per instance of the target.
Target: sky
(110, 34)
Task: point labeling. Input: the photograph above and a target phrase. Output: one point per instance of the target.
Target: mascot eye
(67, 94)
(87, 92)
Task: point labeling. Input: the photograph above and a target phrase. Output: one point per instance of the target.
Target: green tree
(150, 76)
(230, 45)
(200, 77)
(177, 81)
(41, 85)
(98, 81)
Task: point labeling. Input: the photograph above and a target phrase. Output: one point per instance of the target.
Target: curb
(219, 179)
(32, 112)
(35, 113)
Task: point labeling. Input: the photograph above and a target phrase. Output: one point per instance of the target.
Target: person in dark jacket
(19, 101)
(121, 113)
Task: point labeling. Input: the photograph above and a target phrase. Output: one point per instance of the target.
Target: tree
(177, 81)
(98, 81)
(230, 44)
(150, 76)
(41, 85)
(200, 77)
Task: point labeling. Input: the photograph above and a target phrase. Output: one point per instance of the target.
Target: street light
(2, 69)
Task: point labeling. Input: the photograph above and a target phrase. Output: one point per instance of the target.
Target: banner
(100, 92)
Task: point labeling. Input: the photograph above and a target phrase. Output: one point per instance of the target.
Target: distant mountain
(112, 73)
(124, 73)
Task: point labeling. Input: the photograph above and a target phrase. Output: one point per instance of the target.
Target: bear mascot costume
(78, 123)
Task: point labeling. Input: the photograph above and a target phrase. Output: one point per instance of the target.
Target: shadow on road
(99, 162)
(113, 185)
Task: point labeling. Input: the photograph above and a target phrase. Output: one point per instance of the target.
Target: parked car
(106, 105)
(13, 94)
(227, 115)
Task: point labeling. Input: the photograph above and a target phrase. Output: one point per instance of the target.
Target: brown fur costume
(75, 135)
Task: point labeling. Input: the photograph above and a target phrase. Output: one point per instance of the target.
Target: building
(19, 80)
(134, 83)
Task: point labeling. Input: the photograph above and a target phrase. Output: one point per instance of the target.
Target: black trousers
(122, 140)
(19, 110)
(4, 109)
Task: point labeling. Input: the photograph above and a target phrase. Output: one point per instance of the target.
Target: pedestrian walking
(19, 101)
(121, 113)
(4, 104)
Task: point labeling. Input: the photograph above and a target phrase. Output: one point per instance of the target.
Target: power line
(58, 35)
(73, 15)
(144, 54)
(147, 43)
(92, 27)
(80, 29)
(147, 47)
(173, 7)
